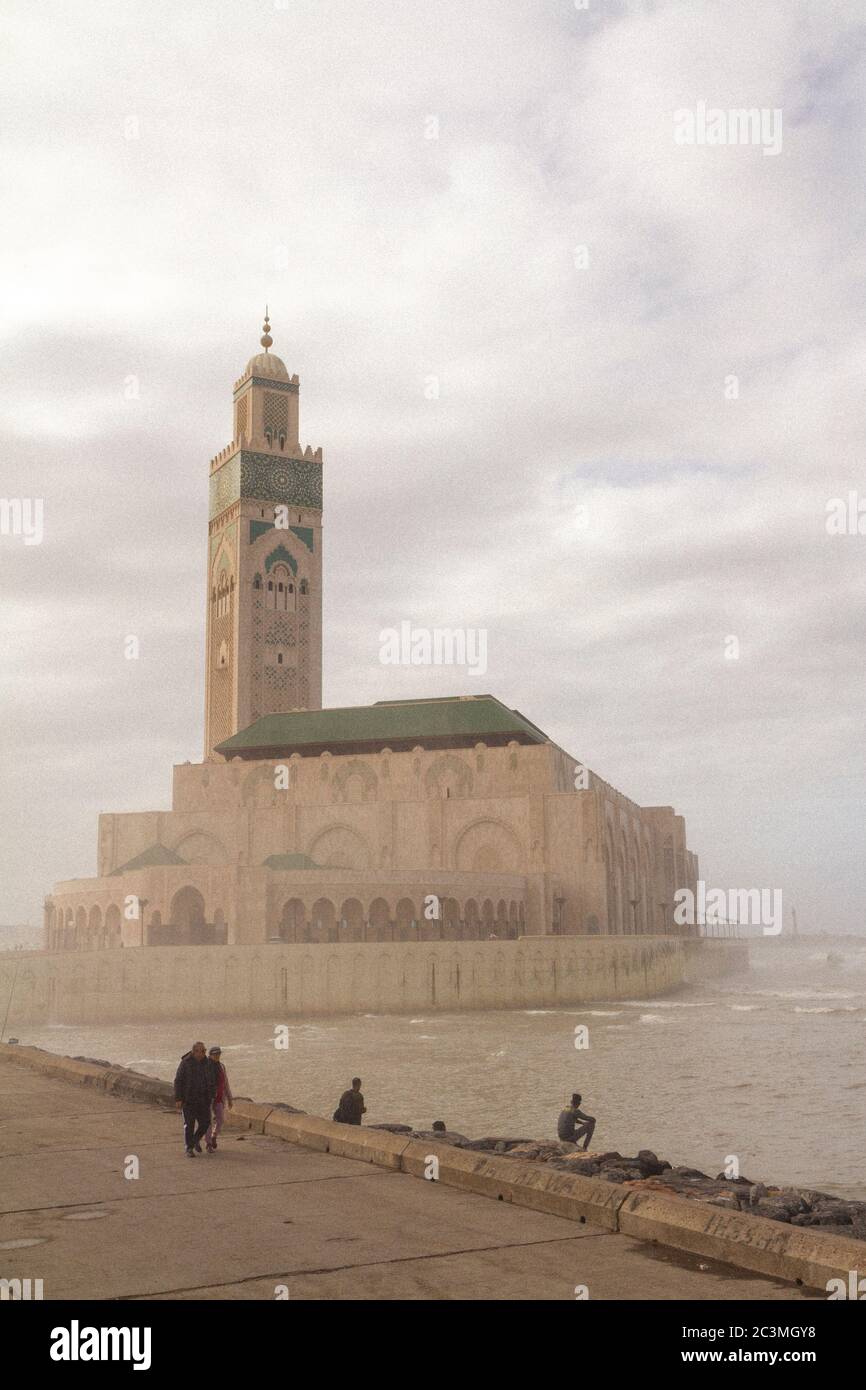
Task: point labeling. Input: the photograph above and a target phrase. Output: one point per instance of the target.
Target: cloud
(174, 170)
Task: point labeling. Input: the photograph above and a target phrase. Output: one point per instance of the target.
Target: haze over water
(767, 1065)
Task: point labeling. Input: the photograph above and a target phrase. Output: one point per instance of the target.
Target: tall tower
(264, 581)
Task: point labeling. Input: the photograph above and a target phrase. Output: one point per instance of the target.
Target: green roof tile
(453, 721)
(149, 859)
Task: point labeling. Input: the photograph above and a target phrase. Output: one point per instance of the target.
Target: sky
(581, 382)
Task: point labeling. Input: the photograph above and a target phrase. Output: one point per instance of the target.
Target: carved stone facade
(424, 844)
(264, 603)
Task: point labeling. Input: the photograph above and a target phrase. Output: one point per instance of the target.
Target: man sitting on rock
(566, 1125)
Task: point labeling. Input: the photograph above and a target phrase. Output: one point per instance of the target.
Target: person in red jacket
(222, 1098)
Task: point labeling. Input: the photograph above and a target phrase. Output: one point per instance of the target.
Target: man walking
(351, 1106)
(565, 1127)
(195, 1086)
(222, 1098)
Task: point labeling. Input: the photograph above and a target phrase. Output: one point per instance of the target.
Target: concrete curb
(797, 1254)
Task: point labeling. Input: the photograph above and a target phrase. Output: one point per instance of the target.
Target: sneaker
(213, 1144)
(210, 1147)
(190, 1153)
(198, 1148)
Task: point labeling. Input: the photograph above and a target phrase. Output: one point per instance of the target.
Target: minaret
(264, 591)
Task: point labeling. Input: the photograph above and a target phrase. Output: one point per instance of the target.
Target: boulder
(650, 1164)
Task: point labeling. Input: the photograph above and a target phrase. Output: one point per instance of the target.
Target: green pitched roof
(149, 859)
(451, 722)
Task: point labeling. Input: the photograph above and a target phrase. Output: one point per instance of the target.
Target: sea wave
(850, 1009)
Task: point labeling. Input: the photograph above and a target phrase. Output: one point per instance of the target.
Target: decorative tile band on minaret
(264, 606)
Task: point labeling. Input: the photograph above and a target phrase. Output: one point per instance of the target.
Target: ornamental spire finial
(266, 339)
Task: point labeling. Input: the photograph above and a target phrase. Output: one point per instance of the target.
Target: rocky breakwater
(647, 1172)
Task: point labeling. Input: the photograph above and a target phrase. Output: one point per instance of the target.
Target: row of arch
(83, 930)
(433, 919)
(279, 589)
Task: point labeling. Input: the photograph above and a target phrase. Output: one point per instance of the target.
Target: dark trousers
(196, 1121)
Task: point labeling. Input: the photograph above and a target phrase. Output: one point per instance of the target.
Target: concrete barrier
(526, 1184)
(377, 1146)
(134, 1086)
(568, 1194)
(307, 1130)
(802, 1255)
(247, 1114)
(65, 1068)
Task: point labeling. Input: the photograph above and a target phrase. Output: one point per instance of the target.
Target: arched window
(257, 582)
(282, 442)
(223, 594)
(305, 588)
(279, 589)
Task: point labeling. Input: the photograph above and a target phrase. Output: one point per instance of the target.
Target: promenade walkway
(262, 1213)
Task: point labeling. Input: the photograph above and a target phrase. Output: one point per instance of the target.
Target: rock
(650, 1164)
(690, 1173)
(490, 1143)
(392, 1129)
(439, 1136)
(829, 1214)
(614, 1175)
(775, 1211)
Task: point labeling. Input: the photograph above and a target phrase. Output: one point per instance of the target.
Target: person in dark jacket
(351, 1106)
(195, 1086)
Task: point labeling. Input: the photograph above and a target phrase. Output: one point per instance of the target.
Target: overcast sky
(409, 187)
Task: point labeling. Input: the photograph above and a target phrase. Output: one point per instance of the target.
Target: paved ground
(261, 1212)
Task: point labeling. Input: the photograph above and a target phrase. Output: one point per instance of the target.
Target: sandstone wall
(285, 981)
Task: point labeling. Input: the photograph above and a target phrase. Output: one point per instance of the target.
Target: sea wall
(174, 982)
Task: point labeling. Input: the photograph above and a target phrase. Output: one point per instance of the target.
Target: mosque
(432, 819)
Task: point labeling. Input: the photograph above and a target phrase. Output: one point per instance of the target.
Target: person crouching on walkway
(195, 1085)
(222, 1097)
